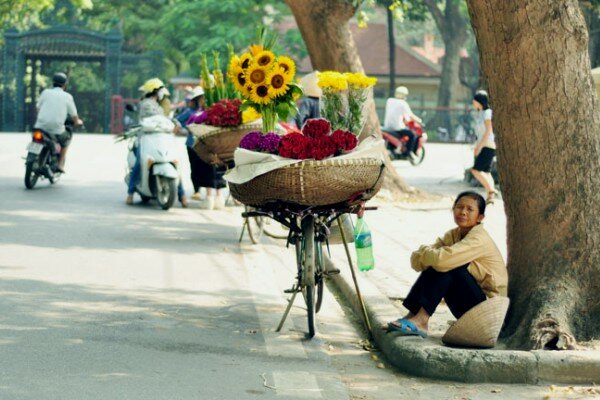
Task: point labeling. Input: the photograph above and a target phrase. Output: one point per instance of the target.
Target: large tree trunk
(547, 122)
(324, 27)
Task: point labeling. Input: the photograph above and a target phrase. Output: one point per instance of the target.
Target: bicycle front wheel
(308, 271)
(255, 227)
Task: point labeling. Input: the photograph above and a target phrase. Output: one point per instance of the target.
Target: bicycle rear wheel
(308, 271)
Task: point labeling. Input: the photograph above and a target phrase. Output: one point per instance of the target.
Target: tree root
(547, 334)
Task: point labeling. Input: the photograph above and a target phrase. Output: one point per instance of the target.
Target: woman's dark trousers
(457, 287)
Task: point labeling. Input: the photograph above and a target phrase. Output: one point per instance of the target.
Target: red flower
(293, 145)
(323, 147)
(224, 113)
(316, 128)
(344, 140)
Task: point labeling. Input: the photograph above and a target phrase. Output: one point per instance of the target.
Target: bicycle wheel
(255, 226)
(274, 229)
(319, 282)
(308, 271)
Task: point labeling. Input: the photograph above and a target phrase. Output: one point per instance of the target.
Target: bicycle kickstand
(287, 311)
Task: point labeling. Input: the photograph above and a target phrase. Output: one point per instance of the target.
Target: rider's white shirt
(53, 107)
(396, 112)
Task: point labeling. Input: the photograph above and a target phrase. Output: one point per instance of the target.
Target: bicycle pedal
(333, 271)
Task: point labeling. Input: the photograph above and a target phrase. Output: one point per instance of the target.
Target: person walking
(485, 147)
(195, 104)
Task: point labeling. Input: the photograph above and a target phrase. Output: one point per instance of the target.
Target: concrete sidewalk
(397, 231)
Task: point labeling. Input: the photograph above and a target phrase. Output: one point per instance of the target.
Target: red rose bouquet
(224, 113)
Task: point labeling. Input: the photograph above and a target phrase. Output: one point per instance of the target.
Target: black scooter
(42, 157)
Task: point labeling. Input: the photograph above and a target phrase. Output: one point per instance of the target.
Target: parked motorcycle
(43, 153)
(159, 175)
(397, 146)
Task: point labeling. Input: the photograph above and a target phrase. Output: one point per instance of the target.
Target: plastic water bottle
(364, 246)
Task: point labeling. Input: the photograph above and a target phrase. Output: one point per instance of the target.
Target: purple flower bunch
(256, 141)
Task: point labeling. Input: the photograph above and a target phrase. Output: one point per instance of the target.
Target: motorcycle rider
(397, 113)
(154, 92)
(54, 106)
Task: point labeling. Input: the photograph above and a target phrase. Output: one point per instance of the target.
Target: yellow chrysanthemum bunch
(333, 81)
(344, 96)
(265, 80)
(358, 80)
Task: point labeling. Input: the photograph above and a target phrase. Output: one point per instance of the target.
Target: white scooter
(159, 165)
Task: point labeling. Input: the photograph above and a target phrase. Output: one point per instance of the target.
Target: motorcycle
(159, 175)
(397, 146)
(43, 153)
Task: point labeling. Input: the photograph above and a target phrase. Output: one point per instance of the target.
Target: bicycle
(309, 228)
(258, 225)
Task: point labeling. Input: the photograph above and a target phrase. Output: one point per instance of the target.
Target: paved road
(104, 301)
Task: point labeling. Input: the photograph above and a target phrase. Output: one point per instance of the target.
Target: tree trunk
(324, 27)
(547, 124)
(453, 27)
(392, 50)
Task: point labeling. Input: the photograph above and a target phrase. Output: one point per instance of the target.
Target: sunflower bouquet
(265, 81)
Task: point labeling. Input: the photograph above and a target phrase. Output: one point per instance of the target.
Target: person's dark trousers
(412, 139)
(457, 287)
(195, 175)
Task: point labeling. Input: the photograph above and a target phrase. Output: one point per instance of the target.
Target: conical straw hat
(480, 326)
(310, 85)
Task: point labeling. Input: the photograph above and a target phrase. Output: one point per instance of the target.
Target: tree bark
(326, 32)
(391, 49)
(547, 124)
(453, 28)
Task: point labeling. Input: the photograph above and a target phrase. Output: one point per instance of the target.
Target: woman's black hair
(482, 98)
(475, 196)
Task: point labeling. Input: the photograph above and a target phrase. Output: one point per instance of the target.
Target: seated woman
(464, 267)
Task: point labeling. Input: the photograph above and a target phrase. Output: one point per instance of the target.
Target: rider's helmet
(401, 92)
(151, 86)
(196, 92)
(59, 79)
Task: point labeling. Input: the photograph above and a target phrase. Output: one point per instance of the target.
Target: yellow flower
(265, 58)
(249, 115)
(234, 62)
(256, 48)
(333, 81)
(277, 82)
(237, 76)
(247, 90)
(256, 74)
(260, 94)
(288, 66)
(359, 81)
(245, 60)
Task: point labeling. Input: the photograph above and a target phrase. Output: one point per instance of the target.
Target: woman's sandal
(405, 328)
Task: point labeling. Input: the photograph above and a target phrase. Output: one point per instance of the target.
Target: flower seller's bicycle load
(307, 179)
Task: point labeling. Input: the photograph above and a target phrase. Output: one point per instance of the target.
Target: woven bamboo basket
(314, 183)
(216, 145)
(480, 326)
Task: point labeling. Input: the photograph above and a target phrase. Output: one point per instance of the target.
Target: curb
(432, 359)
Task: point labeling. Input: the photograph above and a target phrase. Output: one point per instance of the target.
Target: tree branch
(438, 17)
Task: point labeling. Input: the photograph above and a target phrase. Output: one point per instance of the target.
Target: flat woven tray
(215, 145)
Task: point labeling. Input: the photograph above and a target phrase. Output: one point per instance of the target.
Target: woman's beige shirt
(476, 249)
